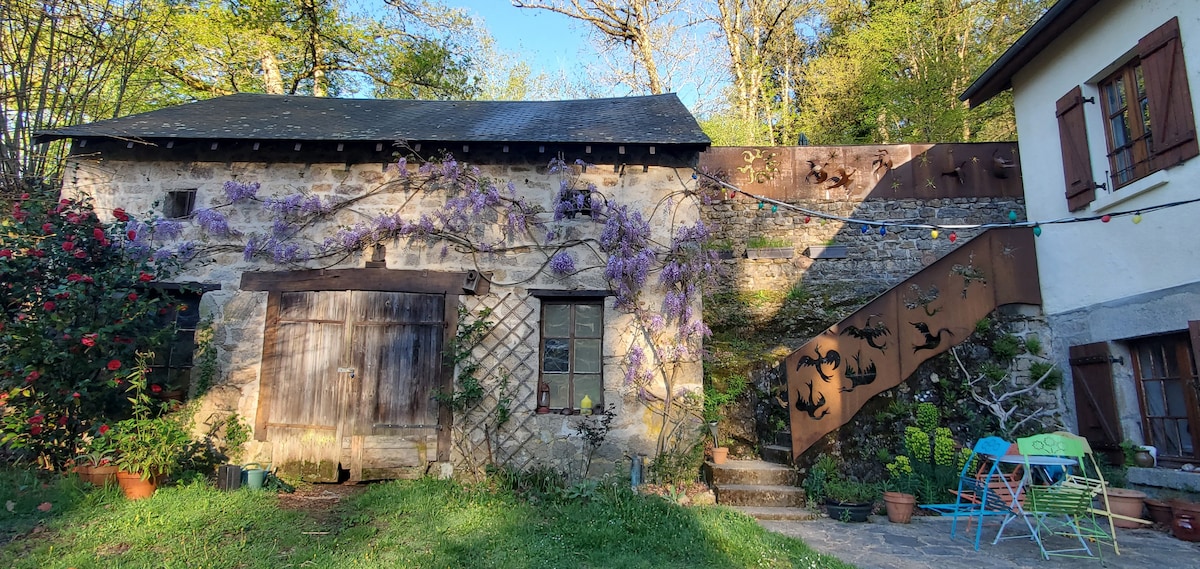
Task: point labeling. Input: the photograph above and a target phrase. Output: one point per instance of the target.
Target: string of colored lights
(934, 228)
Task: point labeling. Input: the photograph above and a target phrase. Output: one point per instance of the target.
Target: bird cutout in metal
(871, 333)
(932, 341)
(1001, 165)
(810, 405)
(882, 161)
(957, 173)
(859, 375)
(832, 357)
(816, 173)
(842, 177)
(922, 298)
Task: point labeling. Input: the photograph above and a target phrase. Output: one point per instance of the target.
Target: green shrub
(678, 467)
(1007, 347)
(850, 491)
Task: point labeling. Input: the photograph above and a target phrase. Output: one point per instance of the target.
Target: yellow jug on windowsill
(585, 406)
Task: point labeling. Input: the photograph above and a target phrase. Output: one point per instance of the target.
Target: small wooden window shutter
(1095, 400)
(1077, 162)
(1171, 119)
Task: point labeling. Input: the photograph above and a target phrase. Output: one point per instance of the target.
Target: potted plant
(899, 491)
(849, 501)
(97, 466)
(150, 444)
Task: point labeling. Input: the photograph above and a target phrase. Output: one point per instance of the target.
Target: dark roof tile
(656, 119)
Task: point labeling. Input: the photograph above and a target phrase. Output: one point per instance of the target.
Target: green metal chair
(1061, 508)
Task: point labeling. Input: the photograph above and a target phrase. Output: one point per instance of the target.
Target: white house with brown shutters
(1107, 128)
(335, 362)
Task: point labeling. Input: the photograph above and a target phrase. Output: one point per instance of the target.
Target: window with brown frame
(1127, 123)
(1148, 120)
(572, 351)
(1167, 388)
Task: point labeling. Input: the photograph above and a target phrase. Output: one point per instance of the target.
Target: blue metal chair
(978, 492)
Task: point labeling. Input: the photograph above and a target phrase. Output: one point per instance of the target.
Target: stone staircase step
(777, 514)
(778, 454)
(783, 438)
(768, 495)
(750, 472)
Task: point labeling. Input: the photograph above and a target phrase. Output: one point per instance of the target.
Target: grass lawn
(422, 523)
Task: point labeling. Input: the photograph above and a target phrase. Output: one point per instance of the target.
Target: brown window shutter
(1095, 400)
(1077, 163)
(1171, 119)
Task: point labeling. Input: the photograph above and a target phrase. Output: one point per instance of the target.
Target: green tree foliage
(75, 311)
(890, 71)
(64, 62)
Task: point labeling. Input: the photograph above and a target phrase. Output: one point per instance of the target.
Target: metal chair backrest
(1050, 444)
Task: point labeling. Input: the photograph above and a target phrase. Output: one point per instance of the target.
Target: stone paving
(926, 544)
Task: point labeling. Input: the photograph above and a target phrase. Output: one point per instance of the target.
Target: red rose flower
(145, 277)
(49, 306)
(37, 253)
(114, 365)
(132, 235)
(62, 420)
(88, 279)
(36, 420)
(24, 196)
(63, 295)
(6, 253)
(73, 217)
(132, 296)
(68, 246)
(80, 254)
(156, 388)
(120, 214)
(33, 375)
(89, 340)
(103, 429)
(75, 395)
(47, 228)
(98, 233)
(35, 430)
(74, 277)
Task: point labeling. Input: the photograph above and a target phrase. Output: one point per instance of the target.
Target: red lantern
(543, 401)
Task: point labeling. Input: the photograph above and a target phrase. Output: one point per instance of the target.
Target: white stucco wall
(1084, 264)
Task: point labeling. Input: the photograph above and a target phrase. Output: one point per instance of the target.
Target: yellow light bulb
(933, 234)
(1137, 218)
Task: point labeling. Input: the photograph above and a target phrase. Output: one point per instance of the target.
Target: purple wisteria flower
(166, 229)
(214, 222)
(237, 191)
(562, 263)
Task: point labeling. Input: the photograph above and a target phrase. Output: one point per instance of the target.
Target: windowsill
(1129, 191)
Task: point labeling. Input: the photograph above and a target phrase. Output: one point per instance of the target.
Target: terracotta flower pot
(1160, 512)
(1126, 503)
(720, 455)
(900, 506)
(134, 487)
(102, 475)
(1186, 522)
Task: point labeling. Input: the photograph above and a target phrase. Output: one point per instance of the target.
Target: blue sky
(547, 41)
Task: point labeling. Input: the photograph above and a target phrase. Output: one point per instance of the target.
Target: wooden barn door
(351, 382)
(397, 356)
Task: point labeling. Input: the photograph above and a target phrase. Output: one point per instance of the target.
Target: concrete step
(778, 454)
(750, 472)
(778, 514)
(783, 439)
(776, 496)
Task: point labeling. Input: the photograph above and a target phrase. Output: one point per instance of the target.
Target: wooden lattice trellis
(510, 348)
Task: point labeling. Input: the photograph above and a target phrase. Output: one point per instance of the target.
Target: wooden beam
(371, 278)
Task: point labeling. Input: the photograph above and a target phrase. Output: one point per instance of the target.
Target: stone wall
(943, 184)
(871, 260)
(140, 186)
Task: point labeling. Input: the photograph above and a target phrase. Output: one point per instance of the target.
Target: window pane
(182, 351)
(1120, 130)
(557, 323)
(1173, 442)
(1154, 399)
(1158, 437)
(1114, 94)
(559, 391)
(1170, 362)
(1176, 404)
(587, 356)
(587, 320)
(591, 386)
(1146, 362)
(1185, 438)
(554, 355)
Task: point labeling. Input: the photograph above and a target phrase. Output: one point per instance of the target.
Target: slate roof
(655, 119)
